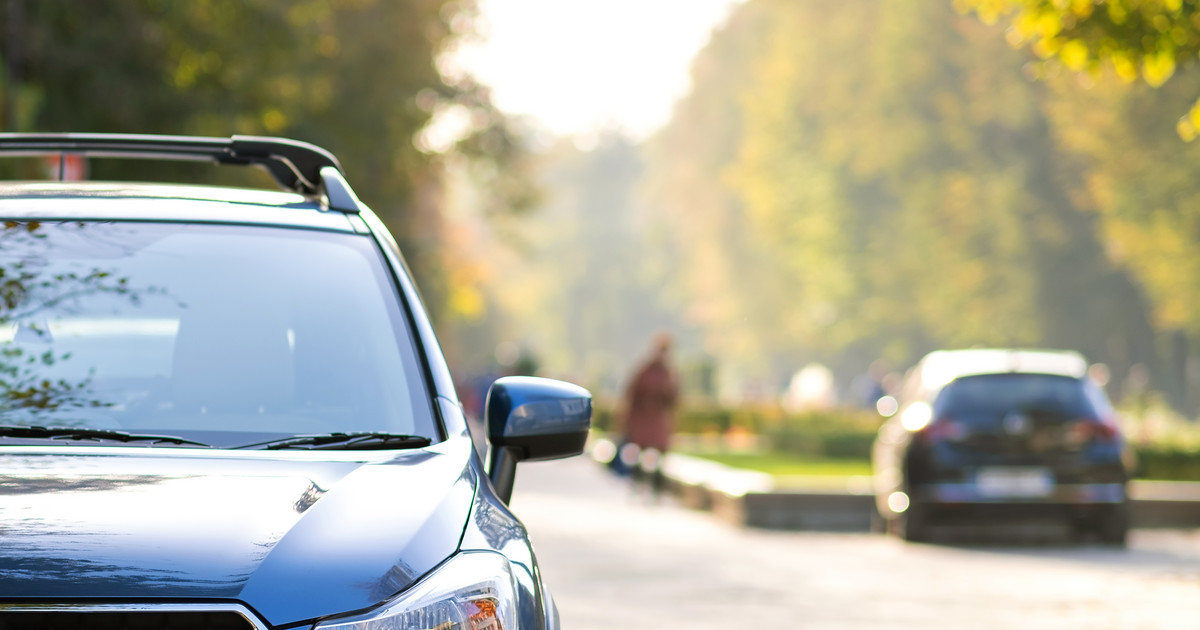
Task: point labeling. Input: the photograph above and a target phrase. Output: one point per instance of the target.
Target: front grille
(123, 620)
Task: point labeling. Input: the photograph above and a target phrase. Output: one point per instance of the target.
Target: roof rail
(297, 166)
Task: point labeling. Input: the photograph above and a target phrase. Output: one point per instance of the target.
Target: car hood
(293, 535)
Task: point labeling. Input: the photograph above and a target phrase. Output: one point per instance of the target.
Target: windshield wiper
(366, 440)
(78, 433)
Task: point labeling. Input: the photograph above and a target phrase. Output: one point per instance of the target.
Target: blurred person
(647, 415)
(868, 387)
(891, 383)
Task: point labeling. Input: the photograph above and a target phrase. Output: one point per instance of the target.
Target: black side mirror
(531, 418)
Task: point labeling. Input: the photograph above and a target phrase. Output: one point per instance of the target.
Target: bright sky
(581, 65)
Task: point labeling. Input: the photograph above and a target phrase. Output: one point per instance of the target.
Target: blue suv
(226, 408)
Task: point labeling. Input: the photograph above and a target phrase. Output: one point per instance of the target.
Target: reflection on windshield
(30, 289)
(175, 328)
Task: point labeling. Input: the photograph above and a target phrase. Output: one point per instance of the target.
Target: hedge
(832, 434)
(1172, 463)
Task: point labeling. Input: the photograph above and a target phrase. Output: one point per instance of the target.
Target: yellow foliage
(1124, 66)
(328, 46)
(1117, 13)
(274, 120)
(1166, 261)
(1026, 24)
(1048, 24)
(1074, 54)
(988, 11)
(466, 302)
(1194, 115)
(1185, 128)
(1157, 68)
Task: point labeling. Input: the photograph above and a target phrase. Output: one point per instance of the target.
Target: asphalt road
(614, 560)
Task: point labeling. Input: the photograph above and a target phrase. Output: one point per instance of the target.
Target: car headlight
(472, 591)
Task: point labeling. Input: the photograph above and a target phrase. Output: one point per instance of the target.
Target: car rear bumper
(1059, 494)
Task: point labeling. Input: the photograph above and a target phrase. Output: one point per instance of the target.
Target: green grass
(785, 465)
(782, 464)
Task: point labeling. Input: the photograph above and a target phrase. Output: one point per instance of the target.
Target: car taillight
(1088, 430)
(944, 430)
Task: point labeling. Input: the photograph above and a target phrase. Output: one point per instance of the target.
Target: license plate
(1014, 482)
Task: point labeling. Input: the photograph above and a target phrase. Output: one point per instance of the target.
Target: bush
(1167, 444)
(1168, 462)
(602, 418)
(836, 433)
(699, 420)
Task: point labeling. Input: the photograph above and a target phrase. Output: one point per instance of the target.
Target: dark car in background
(226, 408)
(1002, 436)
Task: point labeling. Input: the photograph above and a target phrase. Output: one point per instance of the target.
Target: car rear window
(224, 330)
(994, 395)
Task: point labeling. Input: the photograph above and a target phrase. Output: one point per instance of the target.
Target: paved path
(617, 562)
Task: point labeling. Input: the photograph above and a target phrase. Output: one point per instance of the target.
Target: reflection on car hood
(292, 535)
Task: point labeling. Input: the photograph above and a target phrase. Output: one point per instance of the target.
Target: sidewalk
(613, 560)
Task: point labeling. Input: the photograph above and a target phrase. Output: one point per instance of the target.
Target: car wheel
(913, 524)
(1113, 526)
(879, 525)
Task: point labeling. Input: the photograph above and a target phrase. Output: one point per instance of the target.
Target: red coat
(650, 405)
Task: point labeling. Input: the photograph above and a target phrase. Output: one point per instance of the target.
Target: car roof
(943, 366)
(53, 200)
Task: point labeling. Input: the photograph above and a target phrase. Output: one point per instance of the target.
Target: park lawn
(783, 464)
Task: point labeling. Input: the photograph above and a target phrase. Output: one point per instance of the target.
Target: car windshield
(226, 334)
(991, 396)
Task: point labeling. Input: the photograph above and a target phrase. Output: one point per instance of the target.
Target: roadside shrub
(837, 434)
(1168, 462)
(602, 418)
(708, 420)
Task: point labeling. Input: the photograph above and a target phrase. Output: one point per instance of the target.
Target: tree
(1146, 39)
(724, 279)
(578, 283)
(889, 184)
(1124, 134)
(359, 77)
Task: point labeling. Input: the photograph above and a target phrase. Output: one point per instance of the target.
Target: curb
(753, 499)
